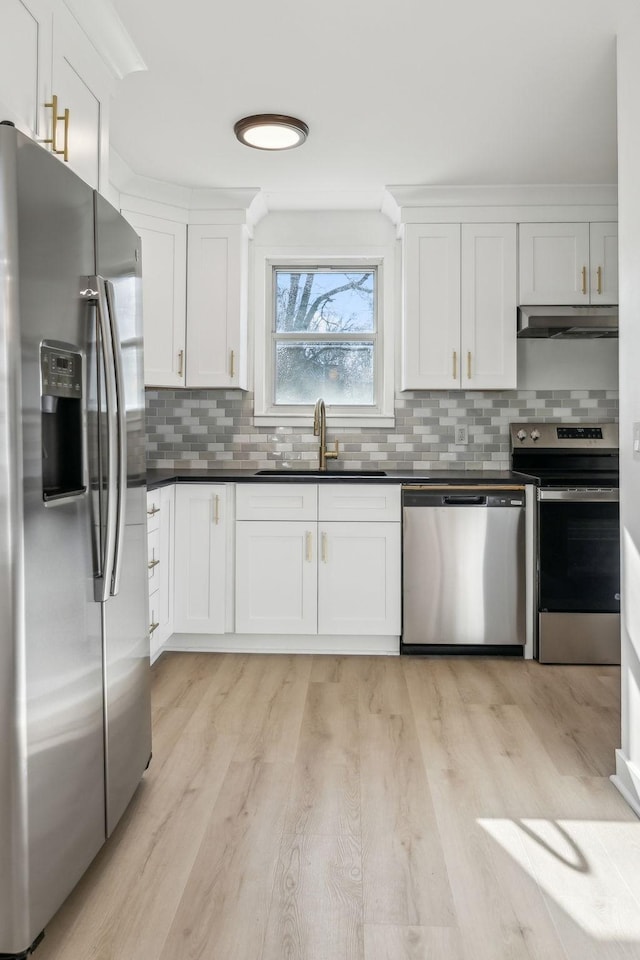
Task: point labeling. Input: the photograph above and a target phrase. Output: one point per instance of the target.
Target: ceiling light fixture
(271, 131)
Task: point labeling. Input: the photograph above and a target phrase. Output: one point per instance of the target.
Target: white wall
(627, 777)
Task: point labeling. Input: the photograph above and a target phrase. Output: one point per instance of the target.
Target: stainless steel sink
(321, 474)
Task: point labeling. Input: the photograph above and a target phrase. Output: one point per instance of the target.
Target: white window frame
(381, 412)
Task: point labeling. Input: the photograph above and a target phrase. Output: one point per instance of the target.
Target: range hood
(564, 323)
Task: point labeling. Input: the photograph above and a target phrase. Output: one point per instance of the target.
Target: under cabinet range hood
(565, 323)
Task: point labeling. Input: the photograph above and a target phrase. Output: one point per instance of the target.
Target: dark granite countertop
(160, 478)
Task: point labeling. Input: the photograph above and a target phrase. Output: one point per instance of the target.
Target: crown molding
(244, 205)
(99, 20)
(408, 197)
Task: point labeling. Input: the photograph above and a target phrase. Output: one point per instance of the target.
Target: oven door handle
(580, 496)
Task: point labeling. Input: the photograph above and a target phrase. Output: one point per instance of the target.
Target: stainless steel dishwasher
(463, 568)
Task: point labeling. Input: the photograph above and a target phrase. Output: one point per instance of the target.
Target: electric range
(575, 467)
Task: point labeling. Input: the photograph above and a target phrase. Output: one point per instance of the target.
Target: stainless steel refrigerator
(74, 648)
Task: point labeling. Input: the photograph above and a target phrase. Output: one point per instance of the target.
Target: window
(324, 335)
(324, 328)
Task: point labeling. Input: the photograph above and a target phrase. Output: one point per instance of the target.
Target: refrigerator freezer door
(125, 614)
(52, 701)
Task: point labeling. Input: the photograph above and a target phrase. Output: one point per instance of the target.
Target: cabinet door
(431, 314)
(200, 558)
(276, 574)
(554, 263)
(217, 306)
(604, 262)
(359, 578)
(155, 640)
(488, 306)
(166, 566)
(82, 84)
(164, 298)
(25, 64)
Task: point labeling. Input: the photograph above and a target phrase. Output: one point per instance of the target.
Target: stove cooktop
(590, 480)
(567, 455)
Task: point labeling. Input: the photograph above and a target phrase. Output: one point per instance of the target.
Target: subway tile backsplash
(214, 429)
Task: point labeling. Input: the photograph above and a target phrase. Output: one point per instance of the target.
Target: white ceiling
(394, 91)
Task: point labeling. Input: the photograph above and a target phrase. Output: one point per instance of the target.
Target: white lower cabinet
(314, 575)
(276, 577)
(160, 564)
(358, 578)
(200, 558)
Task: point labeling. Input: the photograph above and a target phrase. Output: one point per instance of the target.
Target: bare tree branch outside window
(324, 336)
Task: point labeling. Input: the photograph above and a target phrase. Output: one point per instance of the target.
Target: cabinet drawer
(153, 559)
(361, 501)
(154, 609)
(153, 511)
(277, 501)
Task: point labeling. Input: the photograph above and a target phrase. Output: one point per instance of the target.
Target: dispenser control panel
(60, 372)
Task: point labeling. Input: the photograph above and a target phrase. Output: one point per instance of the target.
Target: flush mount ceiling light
(271, 131)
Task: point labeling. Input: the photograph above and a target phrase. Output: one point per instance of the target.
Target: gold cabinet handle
(153, 511)
(152, 564)
(324, 547)
(181, 363)
(153, 627)
(455, 364)
(65, 149)
(584, 279)
(53, 106)
(232, 366)
(308, 545)
(216, 509)
(599, 276)
(468, 364)
(53, 139)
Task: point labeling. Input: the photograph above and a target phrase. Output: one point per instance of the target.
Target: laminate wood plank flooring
(368, 808)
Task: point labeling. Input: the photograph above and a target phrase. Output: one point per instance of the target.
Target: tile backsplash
(214, 429)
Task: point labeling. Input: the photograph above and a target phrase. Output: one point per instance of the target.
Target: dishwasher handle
(459, 499)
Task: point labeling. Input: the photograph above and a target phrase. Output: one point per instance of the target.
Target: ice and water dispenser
(63, 455)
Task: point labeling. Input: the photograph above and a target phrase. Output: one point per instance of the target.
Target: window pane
(320, 302)
(338, 372)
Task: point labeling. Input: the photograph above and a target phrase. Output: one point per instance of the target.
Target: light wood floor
(356, 808)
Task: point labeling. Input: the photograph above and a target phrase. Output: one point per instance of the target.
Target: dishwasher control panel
(424, 497)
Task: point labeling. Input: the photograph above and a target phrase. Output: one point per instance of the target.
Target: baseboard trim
(626, 780)
(387, 646)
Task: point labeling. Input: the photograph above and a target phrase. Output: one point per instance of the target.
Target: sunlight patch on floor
(589, 869)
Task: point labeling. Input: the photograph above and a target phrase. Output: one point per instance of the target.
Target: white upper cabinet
(82, 86)
(164, 298)
(431, 330)
(488, 306)
(55, 84)
(603, 240)
(217, 286)
(194, 301)
(25, 64)
(568, 263)
(459, 324)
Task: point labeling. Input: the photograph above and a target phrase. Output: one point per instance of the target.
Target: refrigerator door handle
(121, 413)
(96, 291)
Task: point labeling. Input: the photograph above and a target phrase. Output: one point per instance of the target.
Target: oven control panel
(564, 436)
(579, 433)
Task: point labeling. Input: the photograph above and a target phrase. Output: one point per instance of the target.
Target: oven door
(579, 551)
(578, 576)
